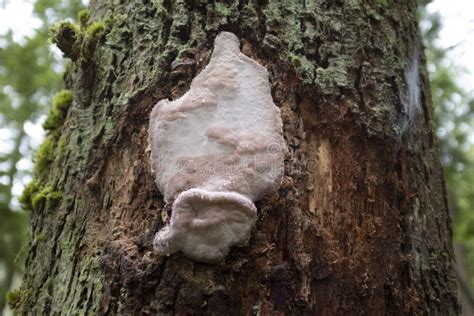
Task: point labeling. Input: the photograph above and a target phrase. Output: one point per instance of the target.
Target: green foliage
(61, 103)
(454, 110)
(50, 11)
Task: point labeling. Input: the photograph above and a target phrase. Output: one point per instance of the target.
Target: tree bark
(360, 224)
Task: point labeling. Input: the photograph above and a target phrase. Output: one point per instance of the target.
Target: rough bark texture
(360, 224)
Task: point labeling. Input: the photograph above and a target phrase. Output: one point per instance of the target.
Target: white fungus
(214, 151)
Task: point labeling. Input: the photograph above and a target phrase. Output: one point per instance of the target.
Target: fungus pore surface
(214, 151)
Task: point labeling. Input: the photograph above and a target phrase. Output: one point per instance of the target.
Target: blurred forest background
(31, 73)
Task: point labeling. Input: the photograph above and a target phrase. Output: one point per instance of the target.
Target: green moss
(77, 40)
(46, 195)
(83, 17)
(95, 29)
(61, 103)
(57, 30)
(43, 156)
(62, 100)
(34, 194)
(16, 300)
(67, 37)
(13, 298)
(28, 192)
(92, 35)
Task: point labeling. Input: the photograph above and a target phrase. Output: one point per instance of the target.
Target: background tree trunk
(360, 224)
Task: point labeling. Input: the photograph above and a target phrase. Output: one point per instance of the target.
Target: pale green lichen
(333, 77)
(62, 146)
(383, 3)
(226, 13)
(39, 237)
(283, 18)
(303, 67)
(416, 209)
(221, 13)
(249, 17)
(222, 9)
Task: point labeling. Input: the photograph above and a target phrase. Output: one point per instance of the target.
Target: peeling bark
(360, 224)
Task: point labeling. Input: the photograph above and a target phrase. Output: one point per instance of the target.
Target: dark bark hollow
(360, 224)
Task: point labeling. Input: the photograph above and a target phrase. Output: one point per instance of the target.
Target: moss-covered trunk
(360, 224)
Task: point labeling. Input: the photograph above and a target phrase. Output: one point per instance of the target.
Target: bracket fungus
(214, 151)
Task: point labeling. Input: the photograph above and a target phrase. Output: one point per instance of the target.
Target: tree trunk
(360, 224)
